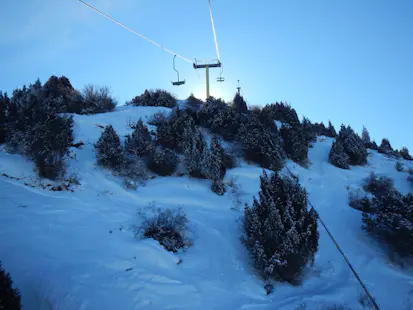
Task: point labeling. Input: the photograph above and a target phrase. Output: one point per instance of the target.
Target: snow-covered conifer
(193, 149)
(391, 221)
(365, 136)
(140, 142)
(9, 296)
(109, 152)
(261, 144)
(309, 131)
(338, 156)
(239, 104)
(2, 118)
(163, 162)
(353, 145)
(385, 147)
(330, 131)
(280, 232)
(295, 143)
(404, 152)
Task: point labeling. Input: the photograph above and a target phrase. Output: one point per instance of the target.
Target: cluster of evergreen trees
(177, 135)
(351, 149)
(34, 122)
(156, 98)
(348, 149)
(388, 215)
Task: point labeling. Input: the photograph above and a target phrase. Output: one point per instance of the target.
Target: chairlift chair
(177, 83)
(220, 78)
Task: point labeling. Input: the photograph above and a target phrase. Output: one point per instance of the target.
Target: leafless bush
(157, 118)
(168, 226)
(97, 99)
(134, 172)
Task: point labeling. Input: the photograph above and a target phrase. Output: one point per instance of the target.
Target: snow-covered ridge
(76, 250)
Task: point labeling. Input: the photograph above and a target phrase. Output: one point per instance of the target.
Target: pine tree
(331, 131)
(220, 118)
(385, 147)
(309, 131)
(163, 162)
(404, 152)
(295, 143)
(239, 104)
(353, 146)
(217, 167)
(109, 152)
(47, 144)
(374, 146)
(143, 100)
(140, 142)
(170, 132)
(164, 99)
(213, 166)
(391, 221)
(193, 103)
(2, 118)
(261, 144)
(193, 149)
(338, 156)
(281, 233)
(62, 93)
(281, 112)
(365, 136)
(9, 296)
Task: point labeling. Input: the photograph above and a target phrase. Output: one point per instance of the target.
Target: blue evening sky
(348, 61)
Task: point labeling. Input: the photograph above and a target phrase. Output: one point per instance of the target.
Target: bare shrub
(157, 119)
(97, 99)
(134, 172)
(168, 226)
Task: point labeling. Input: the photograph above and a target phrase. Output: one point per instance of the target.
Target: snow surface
(77, 250)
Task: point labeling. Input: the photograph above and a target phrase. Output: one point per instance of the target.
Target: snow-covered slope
(76, 250)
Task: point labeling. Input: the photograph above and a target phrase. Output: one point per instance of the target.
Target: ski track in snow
(77, 250)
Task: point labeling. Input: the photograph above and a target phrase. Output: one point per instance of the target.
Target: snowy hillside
(77, 250)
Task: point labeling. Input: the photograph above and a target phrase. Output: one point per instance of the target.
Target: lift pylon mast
(206, 65)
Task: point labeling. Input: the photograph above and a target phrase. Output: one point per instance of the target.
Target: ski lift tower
(206, 64)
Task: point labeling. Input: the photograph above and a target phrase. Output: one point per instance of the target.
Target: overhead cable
(135, 32)
(213, 29)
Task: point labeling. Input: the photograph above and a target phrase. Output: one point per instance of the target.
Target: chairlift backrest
(177, 83)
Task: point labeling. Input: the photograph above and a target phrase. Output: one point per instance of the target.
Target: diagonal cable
(213, 29)
(135, 32)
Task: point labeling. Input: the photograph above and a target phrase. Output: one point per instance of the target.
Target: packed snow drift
(77, 249)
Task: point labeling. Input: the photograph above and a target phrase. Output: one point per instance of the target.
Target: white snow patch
(77, 250)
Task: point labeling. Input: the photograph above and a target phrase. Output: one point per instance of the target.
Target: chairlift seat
(220, 79)
(178, 83)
